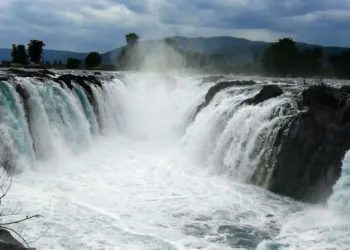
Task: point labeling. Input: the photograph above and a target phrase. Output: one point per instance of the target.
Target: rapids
(143, 175)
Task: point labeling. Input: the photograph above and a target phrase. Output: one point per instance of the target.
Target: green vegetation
(341, 64)
(35, 50)
(133, 55)
(130, 56)
(19, 54)
(93, 60)
(73, 63)
(283, 58)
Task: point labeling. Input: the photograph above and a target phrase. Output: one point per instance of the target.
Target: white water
(150, 183)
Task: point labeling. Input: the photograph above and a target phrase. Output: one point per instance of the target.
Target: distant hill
(235, 50)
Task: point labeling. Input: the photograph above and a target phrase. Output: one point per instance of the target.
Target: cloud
(85, 25)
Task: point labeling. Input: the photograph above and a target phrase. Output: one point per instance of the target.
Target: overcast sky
(85, 25)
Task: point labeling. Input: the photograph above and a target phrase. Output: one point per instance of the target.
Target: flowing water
(143, 175)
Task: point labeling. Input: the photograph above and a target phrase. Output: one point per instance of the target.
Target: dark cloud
(85, 25)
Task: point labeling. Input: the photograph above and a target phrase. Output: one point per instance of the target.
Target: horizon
(83, 25)
(188, 37)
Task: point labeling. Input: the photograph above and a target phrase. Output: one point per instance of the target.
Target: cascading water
(66, 117)
(88, 110)
(132, 170)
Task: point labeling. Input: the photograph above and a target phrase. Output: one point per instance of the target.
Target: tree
(5, 63)
(55, 63)
(170, 42)
(130, 56)
(132, 38)
(281, 57)
(93, 60)
(341, 64)
(311, 61)
(22, 54)
(35, 50)
(60, 63)
(14, 53)
(48, 64)
(73, 63)
(19, 54)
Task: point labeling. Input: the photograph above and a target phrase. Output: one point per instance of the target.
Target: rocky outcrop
(267, 92)
(8, 242)
(214, 90)
(69, 78)
(308, 151)
(25, 73)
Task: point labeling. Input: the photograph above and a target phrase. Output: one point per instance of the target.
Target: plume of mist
(160, 56)
(155, 56)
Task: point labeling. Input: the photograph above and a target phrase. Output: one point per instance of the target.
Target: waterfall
(237, 139)
(67, 120)
(88, 109)
(38, 121)
(105, 118)
(38, 118)
(12, 113)
(154, 161)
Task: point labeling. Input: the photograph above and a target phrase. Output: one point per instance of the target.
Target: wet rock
(306, 157)
(318, 97)
(97, 73)
(8, 242)
(23, 93)
(224, 85)
(4, 78)
(267, 92)
(46, 72)
(69, 78)
(25, 96)
(24, 73)
(19, 72)
(219, 87)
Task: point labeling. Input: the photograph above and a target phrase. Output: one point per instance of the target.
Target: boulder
(8, 242)
(219, 87)
(267, 92)
(46, 72)
(306, 156)
(68, 78)
(19, 72)
(24, 73)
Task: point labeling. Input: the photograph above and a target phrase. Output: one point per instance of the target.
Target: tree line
(33, 57)
(283, 58)
(132, 56)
